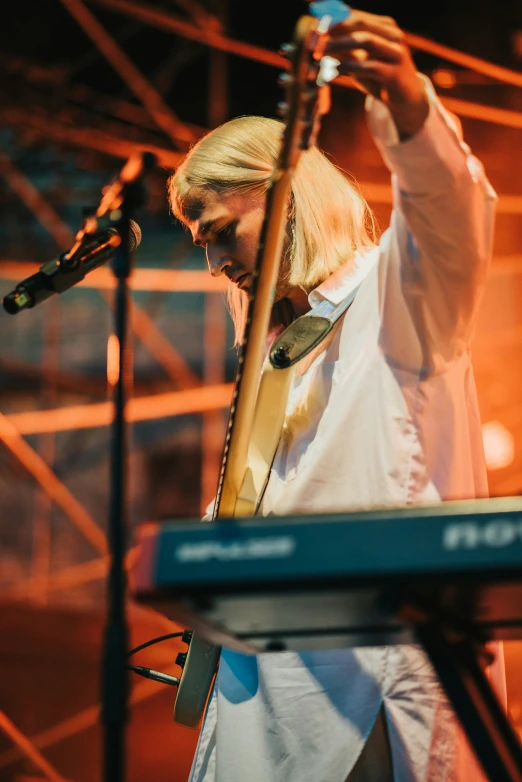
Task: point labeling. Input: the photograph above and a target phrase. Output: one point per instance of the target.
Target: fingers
(364, 70)
(373, 44)
(383, 26)
(372, 50)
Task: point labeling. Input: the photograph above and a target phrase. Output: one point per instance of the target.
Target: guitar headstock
(307, 81)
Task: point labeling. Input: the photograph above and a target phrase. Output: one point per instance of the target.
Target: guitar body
(258, 407)
(196, 680)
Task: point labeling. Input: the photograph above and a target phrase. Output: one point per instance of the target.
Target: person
(385, 415)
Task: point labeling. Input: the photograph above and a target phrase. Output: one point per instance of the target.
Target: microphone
(62, 273)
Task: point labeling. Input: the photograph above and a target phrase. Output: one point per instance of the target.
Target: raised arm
(435, 256)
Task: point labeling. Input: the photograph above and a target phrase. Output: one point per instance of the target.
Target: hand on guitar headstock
(372, 50)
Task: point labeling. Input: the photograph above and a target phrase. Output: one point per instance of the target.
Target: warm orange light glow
(464, 108)
(83, 720)
(444, 78)
(499, 445)
(477, 64)
(145, 408)
(186, 281)
(27, 748)
(113, 359)
(51, 484)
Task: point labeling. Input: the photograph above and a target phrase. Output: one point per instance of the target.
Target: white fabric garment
(386, 416)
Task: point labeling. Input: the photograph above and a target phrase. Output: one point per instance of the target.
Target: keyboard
(336, 580)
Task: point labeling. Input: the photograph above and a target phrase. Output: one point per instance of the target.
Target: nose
(217, 262)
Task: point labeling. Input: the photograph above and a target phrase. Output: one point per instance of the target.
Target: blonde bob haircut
(329, 220)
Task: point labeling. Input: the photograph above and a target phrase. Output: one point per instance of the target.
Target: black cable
(157, 676)
(153, 641)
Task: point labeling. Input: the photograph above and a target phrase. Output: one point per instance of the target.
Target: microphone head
(11, 303)
(135, 236)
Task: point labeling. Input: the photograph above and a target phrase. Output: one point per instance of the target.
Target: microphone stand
(123, 196)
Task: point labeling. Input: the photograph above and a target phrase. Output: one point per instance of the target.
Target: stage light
(499, 445)
(113, 360)
(444, 78)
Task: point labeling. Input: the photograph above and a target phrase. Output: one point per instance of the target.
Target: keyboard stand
(455, 659)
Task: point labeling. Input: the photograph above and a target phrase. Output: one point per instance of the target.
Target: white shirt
(386, 416)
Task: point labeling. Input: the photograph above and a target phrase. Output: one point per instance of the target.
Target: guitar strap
(300, 338)
(307, 332)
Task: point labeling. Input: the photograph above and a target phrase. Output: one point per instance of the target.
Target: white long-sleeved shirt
(387, 415)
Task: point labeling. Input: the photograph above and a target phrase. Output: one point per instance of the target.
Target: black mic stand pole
(127, 194)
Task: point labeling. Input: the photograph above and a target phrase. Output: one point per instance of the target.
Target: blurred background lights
(444, 78)
(113, 359)
(499, 445)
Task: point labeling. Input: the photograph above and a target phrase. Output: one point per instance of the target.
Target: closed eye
(220, 234)
(226, 230)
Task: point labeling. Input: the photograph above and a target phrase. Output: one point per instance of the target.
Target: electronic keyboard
(332, 580)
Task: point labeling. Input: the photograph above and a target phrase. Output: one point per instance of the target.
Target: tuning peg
(282, 109)
(328, 69)
(287, 49)
(285, 78)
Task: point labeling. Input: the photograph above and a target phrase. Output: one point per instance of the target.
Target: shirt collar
(341, 283)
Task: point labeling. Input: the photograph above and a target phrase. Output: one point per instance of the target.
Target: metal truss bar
(46, 447)
(131, 75)
(160, 348)
(192, 281)
(477, 64)
(464, 108)
(33, 199)
(377, 193)
(51, 484)
(118, 109)
(83, 720)
(65, 578)
(145, 408)
(158, 18)
(27, 748)
(88, 138)
(92, 138)
(143, 326)
(167, 280)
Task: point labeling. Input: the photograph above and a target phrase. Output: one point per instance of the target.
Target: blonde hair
(329, 219)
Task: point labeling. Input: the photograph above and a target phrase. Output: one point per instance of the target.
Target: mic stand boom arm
(60, 274)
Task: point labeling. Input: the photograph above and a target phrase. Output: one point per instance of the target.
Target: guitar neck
(305, 104)
(252, 353)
